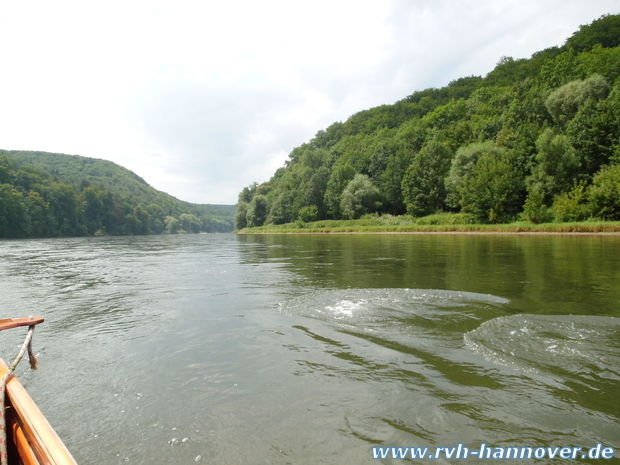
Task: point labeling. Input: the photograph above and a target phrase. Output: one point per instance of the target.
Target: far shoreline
(435, 224)
(465, 233)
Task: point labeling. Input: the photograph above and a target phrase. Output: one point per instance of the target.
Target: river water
(305, 349)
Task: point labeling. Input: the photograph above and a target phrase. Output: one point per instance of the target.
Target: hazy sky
(202, 98)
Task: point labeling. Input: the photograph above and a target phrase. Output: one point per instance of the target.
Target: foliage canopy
(535, 138)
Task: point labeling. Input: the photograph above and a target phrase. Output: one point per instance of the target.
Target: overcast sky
(202, 98)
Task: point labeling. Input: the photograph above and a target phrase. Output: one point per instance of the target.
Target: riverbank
(401, 225)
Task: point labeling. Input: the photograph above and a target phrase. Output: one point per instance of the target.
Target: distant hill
(50, 194)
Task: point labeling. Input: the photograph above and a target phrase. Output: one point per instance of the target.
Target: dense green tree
(64, 204)
(213, 225)
(282, 208)
(315, 190)
(604, 194)
(359, 197)
(390, 185)
(157, 216)
(572, 205)
(527, 108)
(28, 178)
(8, 168)
(379, 160)
(564, 103)
(447, 115)
(491, 191)
(99, 212)
(131, 225)
(556, 166)
(258, 210)
(535, 210)
(247, 193)
(486, 109)
(602, 61)
(158, 226)
(172, 225)
(560, 70)
(308, 214)
(328, 137)
(424, 183)
(144, 220)
(462, 167)
(39, 214)
(241, 217)
(595, 132)
(356, 151)
(190, 223)
(412, 135)
(14, 221)
(340, 176)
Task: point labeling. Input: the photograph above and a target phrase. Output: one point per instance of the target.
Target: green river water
(306, 349)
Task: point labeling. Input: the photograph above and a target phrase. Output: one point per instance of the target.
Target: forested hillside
(51, 195)
(536, 139)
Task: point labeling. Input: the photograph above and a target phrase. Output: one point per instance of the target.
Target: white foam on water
(346, 307)
(405, 317)
(348, 302)
(553, 344)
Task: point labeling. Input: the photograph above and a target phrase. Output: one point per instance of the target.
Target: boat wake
(356, 306)
(571, 350)
(411, 318)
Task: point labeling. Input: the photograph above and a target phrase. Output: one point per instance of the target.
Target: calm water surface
(312, 349)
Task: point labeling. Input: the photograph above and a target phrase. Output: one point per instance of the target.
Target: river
(305, 349)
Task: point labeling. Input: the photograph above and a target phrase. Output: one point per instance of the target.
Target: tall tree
(423, 186)
(359, 197)
(564, 103)
(257, 212)
(604, 194)
(14, 221)
(340, 176)
(241, 217)
(556, 166)
(492, 190)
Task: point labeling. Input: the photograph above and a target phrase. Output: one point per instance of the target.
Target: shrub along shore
(439, 223)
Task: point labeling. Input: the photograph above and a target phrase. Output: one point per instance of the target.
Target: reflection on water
(306, 349)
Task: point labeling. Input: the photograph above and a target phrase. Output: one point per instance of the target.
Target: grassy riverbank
(440, 223)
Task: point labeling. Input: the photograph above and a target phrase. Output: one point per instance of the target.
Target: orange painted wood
(9, 323)
(22, 445)
(45, 444)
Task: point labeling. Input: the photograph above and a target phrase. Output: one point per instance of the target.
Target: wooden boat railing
(30, 438)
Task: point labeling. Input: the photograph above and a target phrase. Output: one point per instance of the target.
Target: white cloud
(201, 98)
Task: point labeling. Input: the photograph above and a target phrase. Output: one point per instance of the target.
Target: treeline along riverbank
(441, 224)
(52, 195)
(536, 140)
